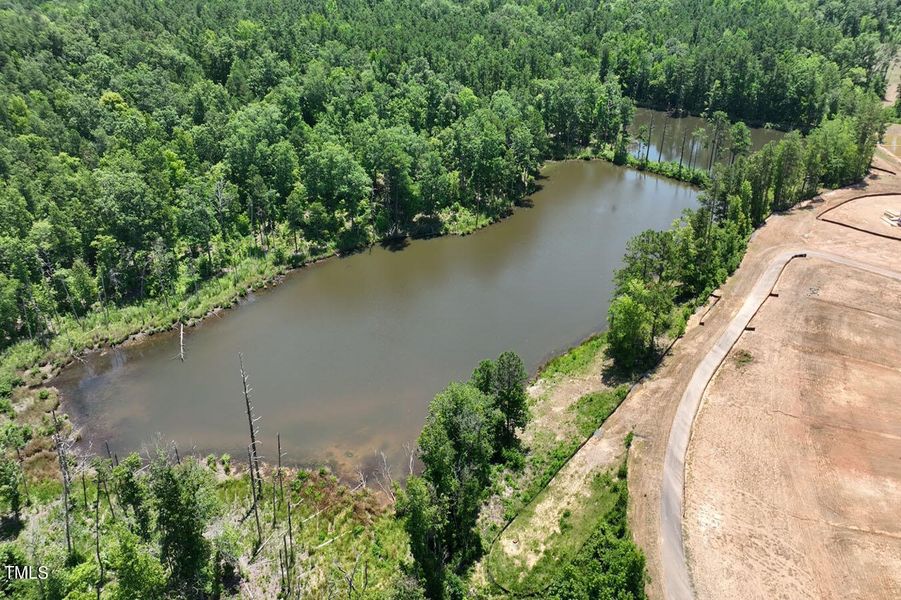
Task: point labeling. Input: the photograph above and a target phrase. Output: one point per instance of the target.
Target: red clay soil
(659, 397)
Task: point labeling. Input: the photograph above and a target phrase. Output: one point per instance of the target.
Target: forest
(153, 152)
(147, 147)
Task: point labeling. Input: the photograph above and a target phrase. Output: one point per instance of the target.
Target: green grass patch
(608, 564)
(48, 490)
(594, 408)
(547, 546)
(114, 324)
(668, 169)
(460, 220)
(544, 466)
(671, 170)
(577, 360)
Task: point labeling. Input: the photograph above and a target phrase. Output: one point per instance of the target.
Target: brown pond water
(667, 145)
(344, 356)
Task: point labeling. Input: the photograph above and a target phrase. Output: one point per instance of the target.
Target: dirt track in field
(832, 536)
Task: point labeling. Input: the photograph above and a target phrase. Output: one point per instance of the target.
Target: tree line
(470, 427)
(788, 63)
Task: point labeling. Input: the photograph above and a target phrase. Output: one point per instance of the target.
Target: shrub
(279, 256)
(514, 458)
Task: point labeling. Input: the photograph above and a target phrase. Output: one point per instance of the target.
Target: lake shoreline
(81, 415)
(133, 390)
(270, 282)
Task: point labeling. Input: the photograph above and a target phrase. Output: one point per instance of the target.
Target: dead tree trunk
(289, 558)
(64, 471)
(181, 342)
(281, 486)
(251, 424)
(109, 497)
(24, 476)
(287, 564)
(278, 493)
(97, 544)
(662, 141)
(290, 533)
(253, 495)
(274, 501)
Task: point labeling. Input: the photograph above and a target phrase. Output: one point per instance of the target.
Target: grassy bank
(574, 361)
(529, 549)
(669, 169)
(570, 400)
(541, 547)
(549, 454)
(111, 325)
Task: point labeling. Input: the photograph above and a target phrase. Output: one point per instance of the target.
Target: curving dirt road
(676, 579)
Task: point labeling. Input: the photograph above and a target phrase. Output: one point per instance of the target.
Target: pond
(344, 356)
(667, 143)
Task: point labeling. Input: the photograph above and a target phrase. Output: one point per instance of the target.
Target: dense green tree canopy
(147, 145)
(136, 136)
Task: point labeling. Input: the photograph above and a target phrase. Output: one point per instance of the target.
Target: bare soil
(652, 406)
(793, 480)
(891, 141)
(867, 213)
(894, 80)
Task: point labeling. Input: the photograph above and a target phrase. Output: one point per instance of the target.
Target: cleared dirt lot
(660, 396)
(866, 213)
(793, 479)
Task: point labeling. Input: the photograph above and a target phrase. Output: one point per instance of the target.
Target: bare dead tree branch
(254, 454)
(64, 471)
(412, 451)
(384, 479)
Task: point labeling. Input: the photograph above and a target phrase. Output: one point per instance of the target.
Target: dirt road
(793, 473)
